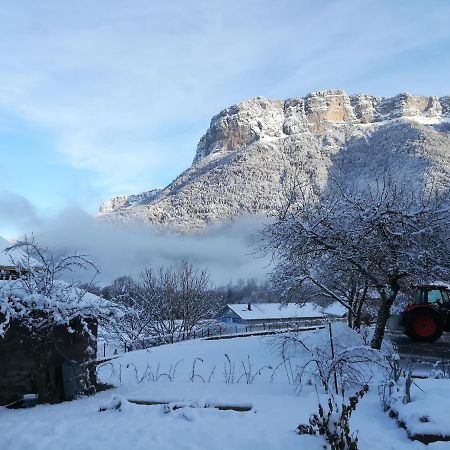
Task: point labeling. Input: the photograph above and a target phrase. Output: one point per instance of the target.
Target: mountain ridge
(250, 149)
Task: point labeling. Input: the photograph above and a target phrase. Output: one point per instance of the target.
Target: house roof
(266, 311)
(435, 285)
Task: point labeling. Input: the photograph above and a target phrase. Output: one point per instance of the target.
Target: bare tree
(132, 330)
(247, 291)
(43, 268)
(159, 291)
(196, 300)
(180, 298)
(382, 236)
(166, 304)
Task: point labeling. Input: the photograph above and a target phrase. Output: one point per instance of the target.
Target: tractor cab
(427, 316)
(432, 295)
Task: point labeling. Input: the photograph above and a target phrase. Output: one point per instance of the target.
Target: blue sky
(109, 97)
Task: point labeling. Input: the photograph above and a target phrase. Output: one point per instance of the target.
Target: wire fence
(110, 347)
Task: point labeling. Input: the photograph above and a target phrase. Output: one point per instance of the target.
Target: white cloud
(227, 250)
(128, 87)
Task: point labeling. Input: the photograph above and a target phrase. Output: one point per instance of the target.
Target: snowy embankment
(246, 370)
(427, 415)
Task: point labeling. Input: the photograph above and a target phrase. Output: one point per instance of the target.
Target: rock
(325, 108)
(240, 125)
(127, 201)
(445, 106)
(364, 107)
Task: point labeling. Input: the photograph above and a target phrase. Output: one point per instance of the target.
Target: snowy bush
(397, 387)
(39, 299)
(332, 422)
(341, 360)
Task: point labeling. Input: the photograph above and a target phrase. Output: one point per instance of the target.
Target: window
(435, 296)
(419, 297)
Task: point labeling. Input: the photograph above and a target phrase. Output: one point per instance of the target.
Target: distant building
(259, 313)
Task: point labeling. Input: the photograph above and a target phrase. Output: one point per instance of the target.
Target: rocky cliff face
(251, 149)
(249, 121)
(128, 201)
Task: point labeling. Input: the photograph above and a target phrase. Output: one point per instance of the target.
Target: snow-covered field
(246, 370)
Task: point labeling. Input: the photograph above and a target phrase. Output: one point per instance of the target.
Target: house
(48, 338)
(267, 313)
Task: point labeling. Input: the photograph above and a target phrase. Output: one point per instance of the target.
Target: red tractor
(428, 316)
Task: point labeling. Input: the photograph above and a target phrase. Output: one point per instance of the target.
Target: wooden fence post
(332, 354)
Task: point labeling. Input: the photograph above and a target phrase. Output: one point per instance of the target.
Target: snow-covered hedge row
(59, 306)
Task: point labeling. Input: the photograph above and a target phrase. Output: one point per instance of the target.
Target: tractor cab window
(445, 296)
(435, 296)
(419, 296)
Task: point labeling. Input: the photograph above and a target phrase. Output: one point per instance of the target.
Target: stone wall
(33, 363)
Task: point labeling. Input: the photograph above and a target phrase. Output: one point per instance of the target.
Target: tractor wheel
(424, 325)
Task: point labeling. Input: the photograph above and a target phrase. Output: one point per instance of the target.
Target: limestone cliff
(251, 149)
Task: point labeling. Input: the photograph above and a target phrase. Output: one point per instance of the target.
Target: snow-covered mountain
(251, 150)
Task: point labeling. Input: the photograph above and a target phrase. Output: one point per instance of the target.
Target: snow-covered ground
(232, 371)
(428, 411)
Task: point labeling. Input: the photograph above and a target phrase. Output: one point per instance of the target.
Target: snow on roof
(265, 311)
(434, 284)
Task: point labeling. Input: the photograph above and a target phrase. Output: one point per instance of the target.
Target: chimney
(249, 306)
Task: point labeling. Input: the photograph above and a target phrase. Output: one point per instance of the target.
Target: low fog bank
(16, 212)
(227, 250)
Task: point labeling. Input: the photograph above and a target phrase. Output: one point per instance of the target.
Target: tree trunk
(361, 301)
(351, 301)
(382, 317)
(349, 319)
(384, 312)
